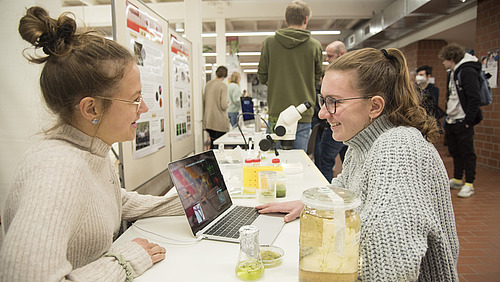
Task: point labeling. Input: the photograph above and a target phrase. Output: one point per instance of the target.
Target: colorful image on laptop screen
(201, 189)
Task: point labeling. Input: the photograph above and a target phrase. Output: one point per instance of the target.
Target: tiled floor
(478, 225)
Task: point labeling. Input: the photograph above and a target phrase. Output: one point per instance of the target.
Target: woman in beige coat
(215, 118)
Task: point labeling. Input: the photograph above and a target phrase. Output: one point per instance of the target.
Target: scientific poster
(181, 87)
(145, 38)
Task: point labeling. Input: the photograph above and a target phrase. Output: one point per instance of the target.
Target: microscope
(285, 127)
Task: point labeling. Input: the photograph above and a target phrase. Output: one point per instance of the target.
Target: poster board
(181, 102)
(145, 33)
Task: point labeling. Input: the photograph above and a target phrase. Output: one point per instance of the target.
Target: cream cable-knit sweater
(65, 210)
(407, 223)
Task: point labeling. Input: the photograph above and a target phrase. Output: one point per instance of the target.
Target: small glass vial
(249, 266)
(280, 180)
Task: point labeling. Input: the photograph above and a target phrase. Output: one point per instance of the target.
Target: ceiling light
(267, 33)
(248, 54)
(250, 70)
(325, 32)
(239, 54)
(179, 27)
(252, 33)
(249, 64)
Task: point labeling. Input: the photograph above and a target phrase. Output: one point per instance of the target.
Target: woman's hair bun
(42, 31)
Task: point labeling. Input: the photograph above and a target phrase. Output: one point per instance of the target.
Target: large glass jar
(329, 235)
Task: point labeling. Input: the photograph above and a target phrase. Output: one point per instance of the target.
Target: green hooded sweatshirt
(291, 66)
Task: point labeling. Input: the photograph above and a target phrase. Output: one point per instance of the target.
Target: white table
(206, 260)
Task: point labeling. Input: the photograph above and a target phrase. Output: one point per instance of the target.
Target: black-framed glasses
(331, 103)
(137, 101)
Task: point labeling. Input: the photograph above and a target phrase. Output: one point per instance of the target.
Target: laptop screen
(201, 188)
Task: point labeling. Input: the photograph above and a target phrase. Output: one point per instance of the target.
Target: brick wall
(487, 133)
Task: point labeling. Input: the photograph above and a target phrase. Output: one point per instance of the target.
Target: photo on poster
(142, 136)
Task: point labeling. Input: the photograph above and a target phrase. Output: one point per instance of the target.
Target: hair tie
(385, 53)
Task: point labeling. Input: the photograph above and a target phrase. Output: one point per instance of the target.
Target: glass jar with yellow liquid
(329, 235)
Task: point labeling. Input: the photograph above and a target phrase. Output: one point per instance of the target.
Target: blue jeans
(301, 135)
(326, 151)
(233, 118)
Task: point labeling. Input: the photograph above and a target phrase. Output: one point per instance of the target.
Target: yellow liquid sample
(250, 270)
(310, 276)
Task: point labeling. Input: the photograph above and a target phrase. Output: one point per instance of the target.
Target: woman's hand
(292, 209)
(156, 252)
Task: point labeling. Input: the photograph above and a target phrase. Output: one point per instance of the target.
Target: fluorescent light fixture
(239, 54)
(250, 70)
(325, 32)
(249, 64)
(267, 33)
(248, 53)
(208, 65)
(179, 27)
(252, 33)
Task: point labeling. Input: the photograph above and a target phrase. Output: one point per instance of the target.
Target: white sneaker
(454, 184)
(466, 191)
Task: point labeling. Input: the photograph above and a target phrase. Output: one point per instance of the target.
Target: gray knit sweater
(65, 210)
(408, 227)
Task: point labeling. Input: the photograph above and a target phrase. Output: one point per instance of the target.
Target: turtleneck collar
(73, 135)
(365, 138)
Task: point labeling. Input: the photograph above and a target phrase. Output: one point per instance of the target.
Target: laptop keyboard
(229, 225)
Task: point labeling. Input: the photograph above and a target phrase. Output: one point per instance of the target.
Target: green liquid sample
(280, 191)
(250, 270)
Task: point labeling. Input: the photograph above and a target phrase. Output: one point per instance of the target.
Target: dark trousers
(213, 136)
(325, 152)
(460, 142)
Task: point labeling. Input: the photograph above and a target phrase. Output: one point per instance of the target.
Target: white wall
(21, 110)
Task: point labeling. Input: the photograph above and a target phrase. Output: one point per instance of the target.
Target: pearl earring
(95, 121)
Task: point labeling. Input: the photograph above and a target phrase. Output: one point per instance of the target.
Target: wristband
(125, 264)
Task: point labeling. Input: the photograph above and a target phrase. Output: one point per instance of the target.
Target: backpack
(484, 88)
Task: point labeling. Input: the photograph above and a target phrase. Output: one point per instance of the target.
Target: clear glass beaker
(267, 186)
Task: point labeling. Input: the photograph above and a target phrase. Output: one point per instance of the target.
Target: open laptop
(208, 206)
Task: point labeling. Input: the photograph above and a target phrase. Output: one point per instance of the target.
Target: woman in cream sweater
(66, 205)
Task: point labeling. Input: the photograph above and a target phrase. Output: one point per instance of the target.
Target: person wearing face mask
(408, 230)
(429, 92)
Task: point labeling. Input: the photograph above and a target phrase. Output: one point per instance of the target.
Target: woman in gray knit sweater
(407, 223)
(66, 205)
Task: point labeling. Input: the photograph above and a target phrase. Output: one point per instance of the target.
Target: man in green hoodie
(291, 65)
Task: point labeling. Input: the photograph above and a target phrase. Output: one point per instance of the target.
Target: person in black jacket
(429, 91)
(463, 112)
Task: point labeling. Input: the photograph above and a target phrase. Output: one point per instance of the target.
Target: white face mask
(420, 79)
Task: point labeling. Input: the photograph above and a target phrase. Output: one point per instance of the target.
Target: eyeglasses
(137, 101)
(331, 103)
